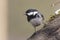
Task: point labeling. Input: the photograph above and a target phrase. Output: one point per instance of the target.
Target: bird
(34, 17)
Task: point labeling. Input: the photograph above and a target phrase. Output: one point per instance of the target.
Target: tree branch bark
(51, 30)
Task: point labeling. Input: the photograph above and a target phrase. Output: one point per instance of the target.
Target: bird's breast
(36, 21)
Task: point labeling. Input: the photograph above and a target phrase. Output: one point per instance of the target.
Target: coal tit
(34, 17)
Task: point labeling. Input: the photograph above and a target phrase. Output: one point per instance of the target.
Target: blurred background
(19, 28)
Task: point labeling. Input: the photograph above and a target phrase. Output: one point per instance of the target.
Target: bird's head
(30, 12)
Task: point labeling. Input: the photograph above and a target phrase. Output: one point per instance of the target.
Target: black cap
(31, 10)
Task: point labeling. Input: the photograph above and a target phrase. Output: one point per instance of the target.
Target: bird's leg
(35, 29)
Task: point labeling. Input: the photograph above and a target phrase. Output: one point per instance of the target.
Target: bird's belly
(36, 22)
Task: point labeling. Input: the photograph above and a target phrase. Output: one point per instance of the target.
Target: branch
(51, 30)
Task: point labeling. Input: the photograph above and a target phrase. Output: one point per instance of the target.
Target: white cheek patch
(57, 11)
(35, 13)
(31, 13)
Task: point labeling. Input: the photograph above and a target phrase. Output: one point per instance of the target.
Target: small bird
(34, 17)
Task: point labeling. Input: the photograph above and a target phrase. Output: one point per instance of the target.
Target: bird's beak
(24, 14)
